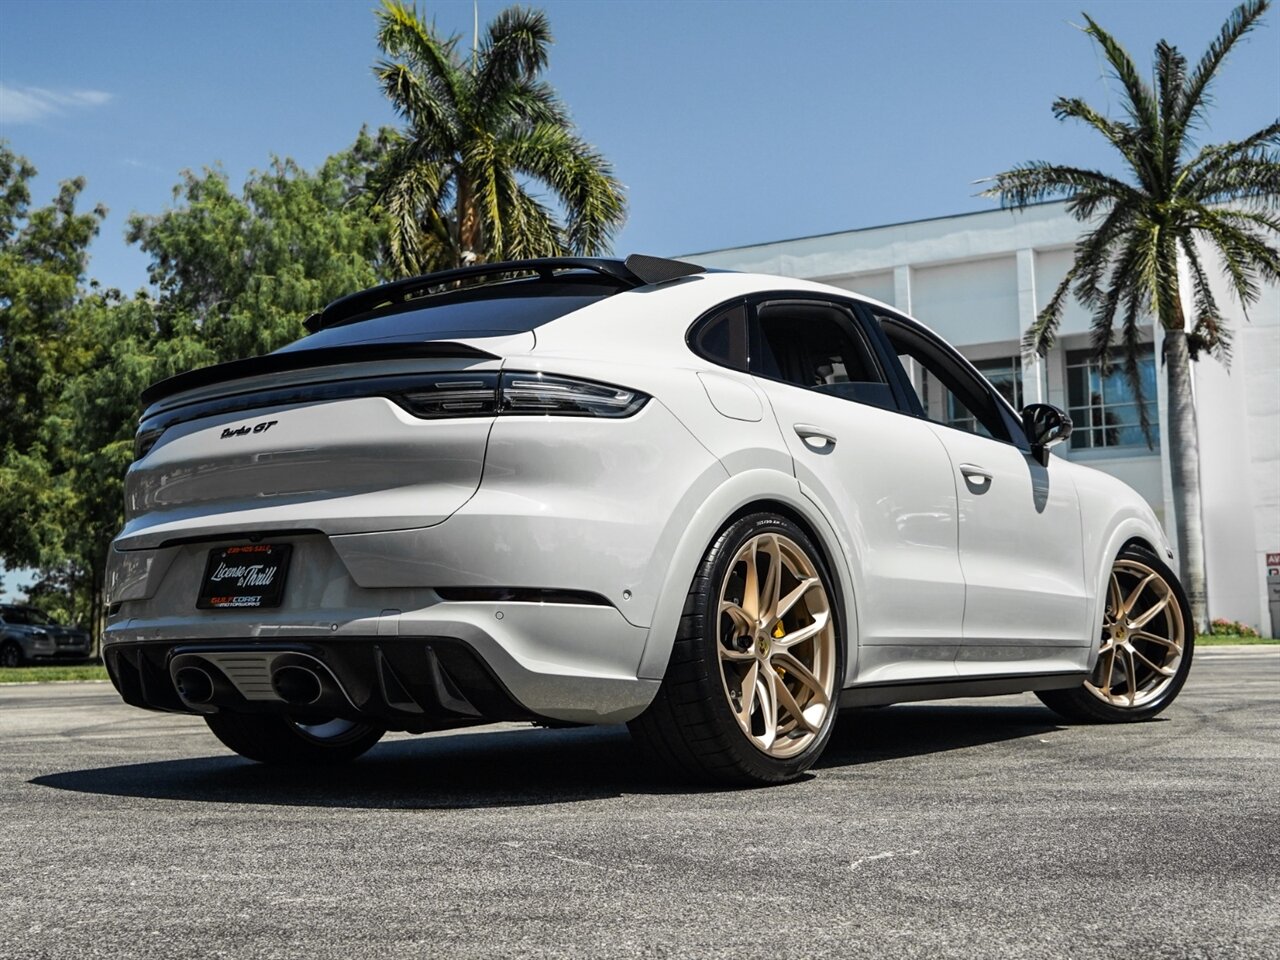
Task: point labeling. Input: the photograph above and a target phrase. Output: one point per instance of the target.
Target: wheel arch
(1127, 530)
(741, 494)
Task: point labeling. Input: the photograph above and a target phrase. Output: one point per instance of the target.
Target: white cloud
(26, 104)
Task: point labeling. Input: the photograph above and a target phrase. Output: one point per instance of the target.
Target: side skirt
(881, 694)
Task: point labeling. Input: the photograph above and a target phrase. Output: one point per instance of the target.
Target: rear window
(492, 311)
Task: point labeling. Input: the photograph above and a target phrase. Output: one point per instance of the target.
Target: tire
(1153, 646)
(11, 655)
(283, 741)
(732, 666)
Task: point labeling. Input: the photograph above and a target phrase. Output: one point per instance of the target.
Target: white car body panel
(895, 517)
(935, 580)
(1020, 551)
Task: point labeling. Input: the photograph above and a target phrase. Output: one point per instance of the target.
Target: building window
(1104, 409)
(1005, 374)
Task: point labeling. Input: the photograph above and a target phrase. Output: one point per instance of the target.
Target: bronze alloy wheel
(1144, 655)
(776, 645)
(1143, 637)
(749, 695)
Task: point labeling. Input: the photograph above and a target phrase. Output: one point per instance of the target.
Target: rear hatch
(334, 449)
(376, 421)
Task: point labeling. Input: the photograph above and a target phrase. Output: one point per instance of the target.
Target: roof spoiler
(636, 271)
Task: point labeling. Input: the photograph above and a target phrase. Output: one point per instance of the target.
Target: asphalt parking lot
(972, 829)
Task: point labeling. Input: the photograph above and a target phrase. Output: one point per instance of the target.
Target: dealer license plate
(246, 576)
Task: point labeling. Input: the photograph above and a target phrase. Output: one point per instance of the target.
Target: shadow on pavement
(524, 767)
(891, 733)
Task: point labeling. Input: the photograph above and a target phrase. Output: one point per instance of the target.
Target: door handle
(814, 437)
(975, 474)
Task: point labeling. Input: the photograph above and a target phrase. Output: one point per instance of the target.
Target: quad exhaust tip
(297, 686)
(194, 685)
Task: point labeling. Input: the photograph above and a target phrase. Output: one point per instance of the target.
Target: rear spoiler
(302, 359)
(636, 271)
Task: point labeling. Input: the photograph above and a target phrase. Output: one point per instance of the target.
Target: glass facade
(1104, 409)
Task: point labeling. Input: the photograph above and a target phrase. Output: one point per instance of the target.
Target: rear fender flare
(737, 492)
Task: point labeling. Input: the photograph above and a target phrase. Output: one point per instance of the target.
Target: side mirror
(1045, 426)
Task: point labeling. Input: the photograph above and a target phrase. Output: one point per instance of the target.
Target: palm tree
(1173, 204)
(479, 132)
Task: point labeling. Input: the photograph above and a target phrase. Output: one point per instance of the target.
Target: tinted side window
(722, 338)
(948, 392)
(820, 347)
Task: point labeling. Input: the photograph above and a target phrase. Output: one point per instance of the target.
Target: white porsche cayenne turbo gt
(716, 506)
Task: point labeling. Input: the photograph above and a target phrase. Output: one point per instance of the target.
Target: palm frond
(1171, 80)
(1209, 329)
(533, 230)
(1036, 181)
(515, 49)
(1132, 342)
(1095, 251)
(580, 177)
(1140, 101)
(531, 102)
(1126, 138)
(403, 34)
(1125, 284)
(1212, 160)
(1244, 254)
(1043, 332)
(1248, 260)
(417, 100)
(1242, 19)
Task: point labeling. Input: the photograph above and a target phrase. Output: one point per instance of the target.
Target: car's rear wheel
(1145, 650)
(750, 691)
(275, 739)
(10, 655)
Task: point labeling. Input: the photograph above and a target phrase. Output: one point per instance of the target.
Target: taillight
(538, 393)
(518, 394)
(463, 395)
(145, 439)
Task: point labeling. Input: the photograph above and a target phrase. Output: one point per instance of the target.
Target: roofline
(878, 226)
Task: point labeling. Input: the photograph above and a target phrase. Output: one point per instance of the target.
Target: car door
(883, 479)
(1020, 541)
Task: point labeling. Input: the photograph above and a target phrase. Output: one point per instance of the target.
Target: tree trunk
(98, 608)
(468, 225)
(1184, 465)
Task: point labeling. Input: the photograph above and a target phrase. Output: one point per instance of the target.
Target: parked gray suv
(27, 635)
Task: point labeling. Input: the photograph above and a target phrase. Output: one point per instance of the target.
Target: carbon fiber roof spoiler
(637, 270)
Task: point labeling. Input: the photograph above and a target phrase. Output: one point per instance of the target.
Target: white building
(979, 279)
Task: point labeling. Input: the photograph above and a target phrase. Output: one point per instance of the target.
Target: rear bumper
(568, 662)
(419, 684)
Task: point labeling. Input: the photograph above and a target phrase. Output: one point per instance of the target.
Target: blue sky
(730, 122)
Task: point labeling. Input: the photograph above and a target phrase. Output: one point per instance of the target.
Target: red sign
(1273, 559)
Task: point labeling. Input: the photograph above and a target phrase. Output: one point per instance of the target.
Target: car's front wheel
(750, 692)
(1145, 649)
(10, 655)
(281, 740)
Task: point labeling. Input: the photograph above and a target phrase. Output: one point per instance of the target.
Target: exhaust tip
(194, 685)
(296, 685)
